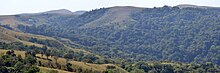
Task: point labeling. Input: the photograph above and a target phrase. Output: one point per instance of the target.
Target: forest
(151, 34)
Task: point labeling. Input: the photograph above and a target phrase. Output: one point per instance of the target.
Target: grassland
(62, 61)
(9, 36)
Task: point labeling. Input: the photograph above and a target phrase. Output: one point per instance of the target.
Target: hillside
(50, 64)
(13, 40)
(54, 65)
(143, 34)
(183, 33)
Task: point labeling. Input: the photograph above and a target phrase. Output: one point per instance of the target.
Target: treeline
(6, 26)
(49, 43)
(170, 67)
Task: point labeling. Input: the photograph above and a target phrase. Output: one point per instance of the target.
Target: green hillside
(11, 60)
(143, 34)
(179, 39)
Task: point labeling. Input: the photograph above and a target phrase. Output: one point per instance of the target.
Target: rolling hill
(21, 43)
(45, 67)
(165, 33)
(183, 33)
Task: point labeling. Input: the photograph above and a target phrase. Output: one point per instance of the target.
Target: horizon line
(103, 7)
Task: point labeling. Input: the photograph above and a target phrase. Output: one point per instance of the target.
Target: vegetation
(10, 63)
(171, 67)
(136, 42)
(49, 43)
(68, 54)
(165, 33)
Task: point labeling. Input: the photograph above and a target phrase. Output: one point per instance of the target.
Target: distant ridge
(193, 6)
(60, 11)
(80, 12)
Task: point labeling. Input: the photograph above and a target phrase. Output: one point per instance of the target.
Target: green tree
(19, 66)
(33, 69)
(69, 67)
(30, 60)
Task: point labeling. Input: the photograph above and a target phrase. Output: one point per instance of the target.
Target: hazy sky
(32, 6)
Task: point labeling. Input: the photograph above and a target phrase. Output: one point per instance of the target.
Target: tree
(19, 67)
(79, 70)
(39, 63)
(30, 60)
(20, 58)
(33, 69)
(90, 58)
(3, 69)
(69, 55)
(11, 53)
(47, 53)
(138, 71)
(1, 63)
(69, 67)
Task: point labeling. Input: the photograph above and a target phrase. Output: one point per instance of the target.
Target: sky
(9, 7)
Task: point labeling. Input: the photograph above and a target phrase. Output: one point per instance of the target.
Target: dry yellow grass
(22, 53)
(45, 70)
(13, 36)
(6, 38)
(11, 20)
(30, 44)
(83, 65)
(76, 64)
(23, 38)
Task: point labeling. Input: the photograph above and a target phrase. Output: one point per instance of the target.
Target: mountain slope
(10, 36)
(115, 16)
(46, 65)
(189, 34)
(25, 42)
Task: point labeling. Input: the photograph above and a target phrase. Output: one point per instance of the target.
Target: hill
(22, 41)
(142, 34)
(188, 34)
(193, 6)
(80, 12)
(60, 65)
(61, 11)
(38, 44)
(52, 65)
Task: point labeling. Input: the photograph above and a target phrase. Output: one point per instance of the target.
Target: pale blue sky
(8, 7)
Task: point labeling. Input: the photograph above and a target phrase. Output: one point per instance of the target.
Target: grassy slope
(119, 15)
(22, 53)
(45, 70)
(62, 61)
(15, 36)
(12, 36)
(76, 64)
(10, 19)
